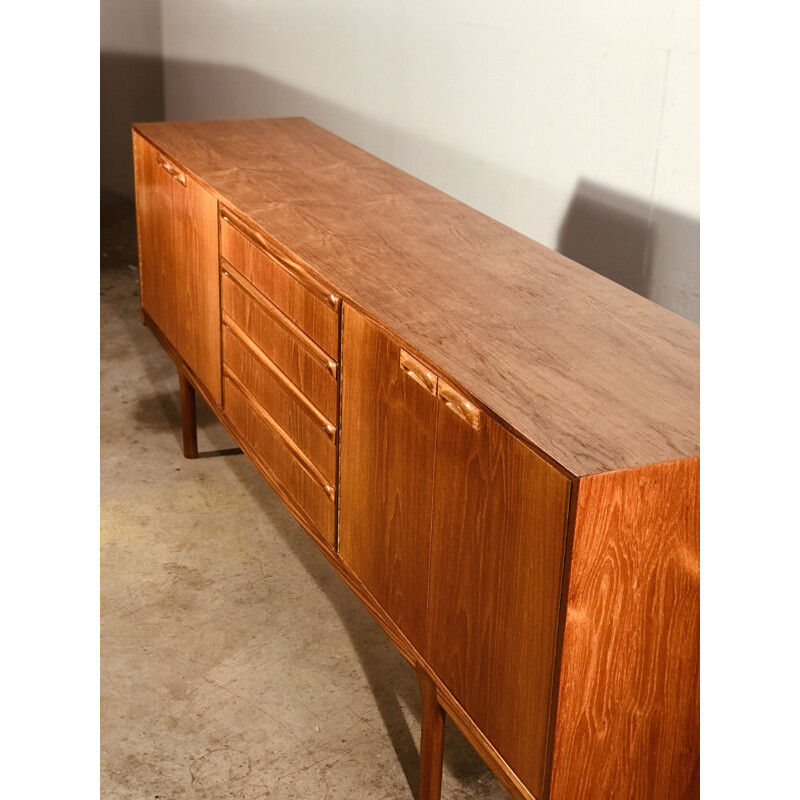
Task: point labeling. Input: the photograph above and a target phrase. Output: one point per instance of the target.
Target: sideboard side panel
(627, 723)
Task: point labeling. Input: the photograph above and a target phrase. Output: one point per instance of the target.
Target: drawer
(286, 283)
(300, 359)
(313, 434)
(282, 464)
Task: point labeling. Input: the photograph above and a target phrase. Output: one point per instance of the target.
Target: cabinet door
(388, 432)
(157, 273)
(178, 258)
(497, 554)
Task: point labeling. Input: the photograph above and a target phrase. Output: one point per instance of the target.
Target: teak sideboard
(495, 447)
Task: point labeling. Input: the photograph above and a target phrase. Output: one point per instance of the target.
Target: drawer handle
(297, 270)
(266, 305)
(418, 372)
(302, 459)
(459, 405)
(305, 404)
(171, 169)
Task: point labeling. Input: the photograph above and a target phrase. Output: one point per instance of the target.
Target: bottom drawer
(310, 496)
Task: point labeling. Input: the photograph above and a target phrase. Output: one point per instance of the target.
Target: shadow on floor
(118, 240)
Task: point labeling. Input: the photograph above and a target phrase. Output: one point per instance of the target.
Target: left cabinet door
(179, 261)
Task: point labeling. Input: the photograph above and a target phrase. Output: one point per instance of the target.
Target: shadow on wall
(655, 256)
(131, 90)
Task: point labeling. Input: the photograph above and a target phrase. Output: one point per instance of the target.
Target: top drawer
(306, 301)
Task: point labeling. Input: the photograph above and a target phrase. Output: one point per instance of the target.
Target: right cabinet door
(497, 558)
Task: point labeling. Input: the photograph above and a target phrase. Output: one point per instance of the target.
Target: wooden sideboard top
(595, 376)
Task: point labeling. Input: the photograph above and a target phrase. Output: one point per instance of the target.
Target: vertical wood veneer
(628, 705)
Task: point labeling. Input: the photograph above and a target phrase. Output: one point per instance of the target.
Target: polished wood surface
(154, 214)
(509, 480)
(304, 363)
(308, 490)
(285, 290)
(595, 377)
(305, 428)
(497, 556)
(387, 450)
(178, 261)
(628, 707)
(188, 416)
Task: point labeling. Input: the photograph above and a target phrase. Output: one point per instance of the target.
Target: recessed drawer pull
(171, 169)
(298, 454)
(304, 403)
(459, 405)
(265, 304)
(418, 372)
(298, 270)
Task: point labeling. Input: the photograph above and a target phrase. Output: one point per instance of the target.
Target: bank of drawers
(280, 352)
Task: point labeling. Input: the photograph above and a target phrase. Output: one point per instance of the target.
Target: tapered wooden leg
(431, 747)
(188, 417)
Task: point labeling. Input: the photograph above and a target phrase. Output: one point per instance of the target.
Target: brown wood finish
(482, 745)
(518, 481)
(178, 261)
(279, 376)
(188, 416)
(431, 748)
(305, 430)
(387, 456)
(195, 232)
(593, 376)
(320, 320)
(307, 490)
(154, 226)
(497, 556)
(391, 629)
(628, 707)
(304, 363)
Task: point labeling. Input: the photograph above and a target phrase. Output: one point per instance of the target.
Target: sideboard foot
(432, 740)
(188, 416)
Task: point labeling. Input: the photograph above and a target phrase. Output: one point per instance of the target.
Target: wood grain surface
(388, 437)
(431, 747)
(286, 291)
(497, 557)
(295, 418)
(305, 364)
(628, 708)
(594, 376)
(272, 451)
(188, 416)
(178, 262)
(154, 227)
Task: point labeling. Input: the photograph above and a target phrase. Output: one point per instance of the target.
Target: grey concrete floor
(235, 661)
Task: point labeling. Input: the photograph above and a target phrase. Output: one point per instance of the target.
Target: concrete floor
(235, 661)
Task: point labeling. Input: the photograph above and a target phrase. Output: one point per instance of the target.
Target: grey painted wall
(131, 84)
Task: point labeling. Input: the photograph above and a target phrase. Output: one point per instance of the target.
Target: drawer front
(304, 363)
(314, 435)
(305, 301)
(279, 462)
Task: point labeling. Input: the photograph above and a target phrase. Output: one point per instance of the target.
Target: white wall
(575, 122)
